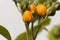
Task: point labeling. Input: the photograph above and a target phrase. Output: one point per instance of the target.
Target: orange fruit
(32, 7)
(27, 16)
(41, 9)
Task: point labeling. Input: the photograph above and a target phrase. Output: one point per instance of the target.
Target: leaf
(58, 7)
(23, 35)
(54, 34)
(46, 22)
(54, 0)
(15, 2)
(4, 32)
(48, 3)
(52, 9)
(41, 1)
(23, 5)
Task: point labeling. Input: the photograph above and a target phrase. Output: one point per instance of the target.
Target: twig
(27, 31)
(39, 25)
(46, 29)
(32, 31)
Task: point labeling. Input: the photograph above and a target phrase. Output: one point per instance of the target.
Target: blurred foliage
(4, 32)
(23, 35)
(54, 0)
(46, 22)
(40, 1)
(52, 5)
(52, 9)
(54, 34)
(48, 3)
(58, 7)
(24, 5)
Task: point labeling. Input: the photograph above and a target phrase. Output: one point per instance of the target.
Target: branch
(39, 25)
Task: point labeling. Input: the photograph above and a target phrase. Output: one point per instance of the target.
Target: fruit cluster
(39, 9)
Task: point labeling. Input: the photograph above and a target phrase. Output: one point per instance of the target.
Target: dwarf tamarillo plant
(35, 10)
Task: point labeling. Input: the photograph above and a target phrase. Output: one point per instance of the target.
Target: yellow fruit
(32, 7)
(27, 16)
(41, 9)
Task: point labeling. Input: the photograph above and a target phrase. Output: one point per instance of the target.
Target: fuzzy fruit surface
(27, 16)
(41, 9)
(32, 7)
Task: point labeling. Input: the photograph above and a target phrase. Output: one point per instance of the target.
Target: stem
(32, 31)
(27, 31)
(39, 25)
(46, 29)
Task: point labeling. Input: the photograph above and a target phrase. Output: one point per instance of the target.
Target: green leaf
(24, 5)
(46, 22)
(48, 3)
(58, 7)
(4, 32)
(52, 9)
(54, 0)
(54, 34)
(23, 35)
(41, 1)
(15, 2)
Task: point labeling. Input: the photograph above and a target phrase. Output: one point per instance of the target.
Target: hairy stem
(38, 28)
(27, 31)
(40, 20)
(32, 31)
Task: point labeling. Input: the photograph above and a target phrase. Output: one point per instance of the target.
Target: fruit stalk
(27, 31)
(32, 31)
(39, 25)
